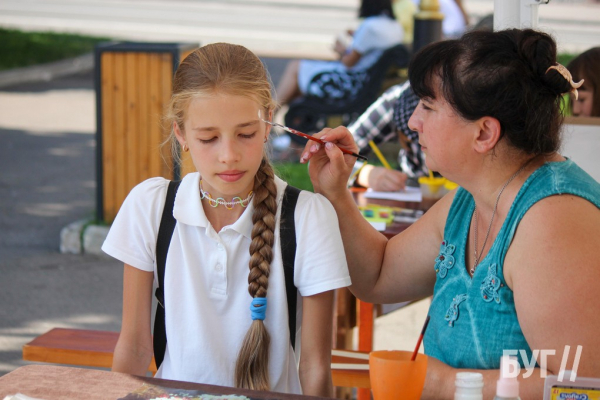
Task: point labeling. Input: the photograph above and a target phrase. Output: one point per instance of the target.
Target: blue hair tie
(258, 308)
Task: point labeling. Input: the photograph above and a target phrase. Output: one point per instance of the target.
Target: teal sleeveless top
(474, 320)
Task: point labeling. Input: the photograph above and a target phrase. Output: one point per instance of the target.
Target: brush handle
(309, 137)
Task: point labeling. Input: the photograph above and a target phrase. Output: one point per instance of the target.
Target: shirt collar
(188, 209)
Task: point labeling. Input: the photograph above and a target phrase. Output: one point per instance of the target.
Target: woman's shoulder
(560, 178)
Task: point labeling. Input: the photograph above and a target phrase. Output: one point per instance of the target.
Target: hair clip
(561, 69)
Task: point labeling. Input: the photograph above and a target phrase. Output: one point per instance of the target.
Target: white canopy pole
(516, 13)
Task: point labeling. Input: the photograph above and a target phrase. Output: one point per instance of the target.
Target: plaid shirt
(382, 122)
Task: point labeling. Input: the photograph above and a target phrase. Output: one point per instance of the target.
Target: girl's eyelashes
(242, 135)
(248, 135)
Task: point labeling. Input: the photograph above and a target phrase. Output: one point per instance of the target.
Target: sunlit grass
(22, 49)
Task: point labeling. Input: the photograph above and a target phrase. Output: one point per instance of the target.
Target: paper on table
(408, 194)
(379, 225)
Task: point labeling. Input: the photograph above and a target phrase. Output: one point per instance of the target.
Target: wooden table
(51, 382)
(395, 227)
(93, 348)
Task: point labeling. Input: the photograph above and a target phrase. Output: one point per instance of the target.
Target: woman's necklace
(228, 204)
(477, 258)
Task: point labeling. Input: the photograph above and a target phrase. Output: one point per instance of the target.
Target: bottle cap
(508, 384)
(469, 380)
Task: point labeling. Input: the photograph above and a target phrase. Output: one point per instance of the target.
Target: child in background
(586, 66)
(228, 220)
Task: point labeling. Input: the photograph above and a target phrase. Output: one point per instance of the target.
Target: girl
(221, 92)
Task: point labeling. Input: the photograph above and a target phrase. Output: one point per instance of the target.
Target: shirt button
(218, 267)
(220, 246)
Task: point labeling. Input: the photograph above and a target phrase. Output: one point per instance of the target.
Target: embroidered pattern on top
(445, 260)
(490, 285)
(452, 313)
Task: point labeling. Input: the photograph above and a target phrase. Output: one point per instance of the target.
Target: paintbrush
(309, 137)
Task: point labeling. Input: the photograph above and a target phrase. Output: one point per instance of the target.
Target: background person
(504, 253)
(377, 32)
(225, 253)
(387, 120)
(586, 66)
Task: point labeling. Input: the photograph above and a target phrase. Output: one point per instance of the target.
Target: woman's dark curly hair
(501, 75)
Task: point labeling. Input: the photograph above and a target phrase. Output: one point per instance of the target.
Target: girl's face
(443, 135)
(583, 106)
(226, 138)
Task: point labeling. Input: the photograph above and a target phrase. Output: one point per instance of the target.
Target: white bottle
(507, 387)
(469, 386)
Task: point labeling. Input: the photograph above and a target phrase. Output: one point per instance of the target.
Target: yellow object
(394, 376)
(559, 393)
(449, 185)
(355, 174)
(379, 155)
(404, 11)
(430, 186)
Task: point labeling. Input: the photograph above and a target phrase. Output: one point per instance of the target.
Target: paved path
(47, 182)
(276, 28)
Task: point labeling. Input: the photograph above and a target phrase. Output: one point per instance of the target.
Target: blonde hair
(233, 69)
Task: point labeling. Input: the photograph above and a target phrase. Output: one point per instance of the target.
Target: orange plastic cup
(393, 376)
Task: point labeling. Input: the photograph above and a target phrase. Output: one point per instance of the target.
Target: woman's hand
(382, 179)
(329, 168)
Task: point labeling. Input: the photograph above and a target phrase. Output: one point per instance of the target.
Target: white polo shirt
(206, 279)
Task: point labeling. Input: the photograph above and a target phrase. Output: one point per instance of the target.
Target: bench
(83, 347)
(92, 348)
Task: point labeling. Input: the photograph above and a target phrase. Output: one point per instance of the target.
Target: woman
(586, 66)
(224, 260)
(377, 32)
(510, 256)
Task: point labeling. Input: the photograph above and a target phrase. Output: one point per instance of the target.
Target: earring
(185, 147)
(265, 141)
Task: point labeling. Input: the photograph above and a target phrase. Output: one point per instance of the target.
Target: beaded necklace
(228, 204)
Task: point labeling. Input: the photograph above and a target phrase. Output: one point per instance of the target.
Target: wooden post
(133, 85)
(365, 322)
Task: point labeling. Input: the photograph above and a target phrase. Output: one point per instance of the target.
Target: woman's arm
(381, 271)
(351, 58)
(315, 356)
(133, 352)
(439, 382)
(553, 268)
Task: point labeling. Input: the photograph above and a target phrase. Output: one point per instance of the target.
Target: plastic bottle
(507, 387)
(469, 386)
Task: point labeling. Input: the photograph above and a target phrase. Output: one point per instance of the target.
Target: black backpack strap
(287, 234)
(165, 232)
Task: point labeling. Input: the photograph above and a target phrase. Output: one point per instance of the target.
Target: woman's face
(582, 107)
(226, 138)
(443, 134)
